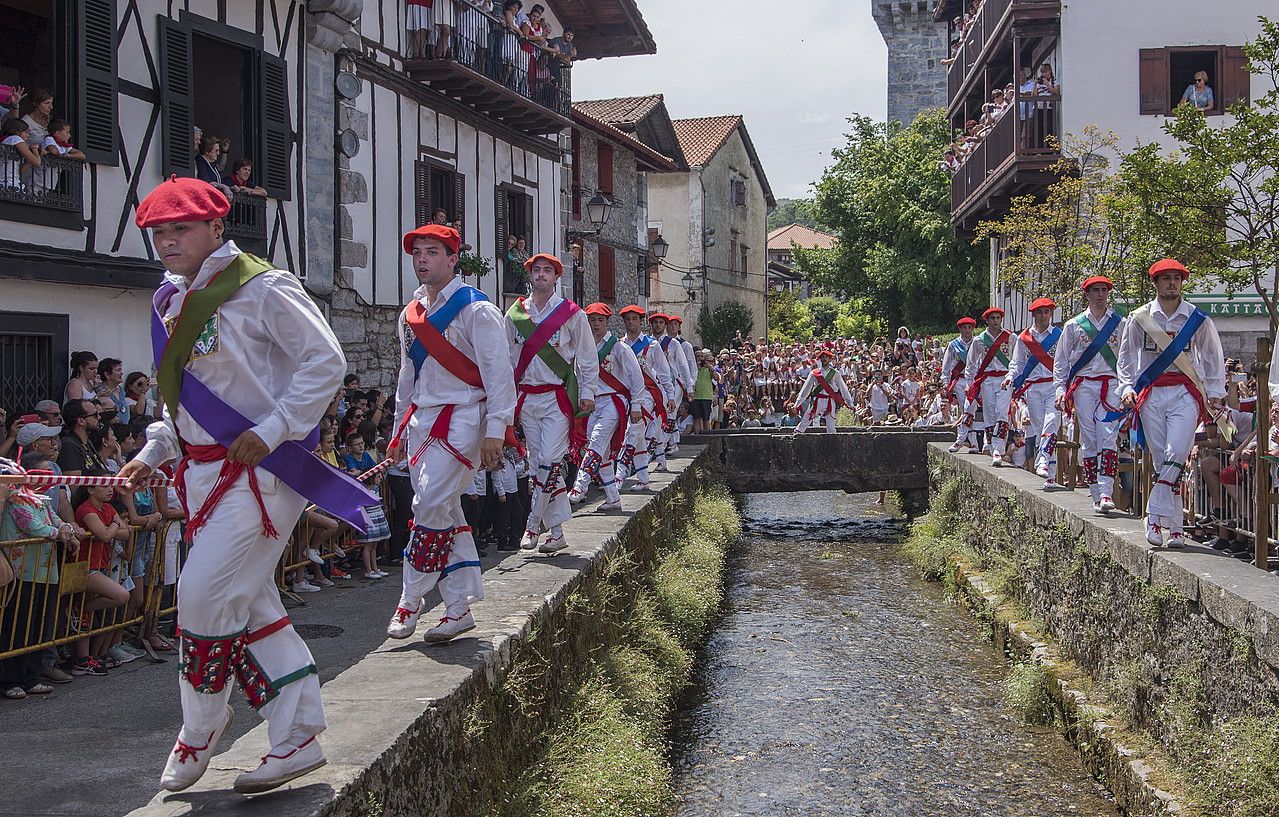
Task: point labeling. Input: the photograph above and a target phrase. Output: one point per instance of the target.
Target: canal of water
(840, 683)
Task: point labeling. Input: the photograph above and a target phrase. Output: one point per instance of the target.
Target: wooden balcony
(496, 72)
(1014, 159)
(989, 39)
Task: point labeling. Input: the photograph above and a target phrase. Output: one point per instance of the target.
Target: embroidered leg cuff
(429, 550)
(1090, 470)
(1001, 429)
(207, 662)
(1108, 462)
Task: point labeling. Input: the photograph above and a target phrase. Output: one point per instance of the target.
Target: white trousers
(1096, 435)
(231, 618)
(823, 409)
(438, 479)
(546, 434)
(600, 427)
(994, 407)
(964, 428)
(1168, 421)
(641, 441)
(1045, 420)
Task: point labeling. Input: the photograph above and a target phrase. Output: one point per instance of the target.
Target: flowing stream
(840, 683)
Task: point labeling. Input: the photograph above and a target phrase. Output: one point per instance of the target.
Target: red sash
(830, 392)
(438, 346)
(974, 388)
(955, 375)
(1036, 349)
(659, 401)
(610, 380)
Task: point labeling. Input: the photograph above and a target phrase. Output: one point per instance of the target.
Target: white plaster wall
(110, 321)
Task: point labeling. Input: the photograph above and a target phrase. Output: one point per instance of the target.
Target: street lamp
(598, 209)
(690, 285)
(659, 247)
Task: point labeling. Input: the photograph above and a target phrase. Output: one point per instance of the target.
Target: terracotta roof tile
(620, 111)
(700, 138)
(783, 237)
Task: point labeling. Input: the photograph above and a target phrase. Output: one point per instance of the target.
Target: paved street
(95, 747)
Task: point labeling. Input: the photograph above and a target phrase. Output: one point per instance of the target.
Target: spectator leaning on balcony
(207, 163)
(241, 178)
(16, 172)
(565, 53)
(512, 17)
(58, 142)
(39, 105)
(1198, 93)
(417, 22)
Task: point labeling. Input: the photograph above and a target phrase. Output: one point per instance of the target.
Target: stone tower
(916, 46)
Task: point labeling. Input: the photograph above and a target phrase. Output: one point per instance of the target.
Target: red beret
(542, 256)
(966, 321)
(656, 316)
(598, 308)
(181, 199)
(674, 319)
(631, 310)
(445, 235)
(825, 353)
(993, 310)
(1169, 265)
(1042, 303)
(1096, 279)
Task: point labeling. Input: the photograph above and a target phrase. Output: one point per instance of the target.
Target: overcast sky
(796, 70)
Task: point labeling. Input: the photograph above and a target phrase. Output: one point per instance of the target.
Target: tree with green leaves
(1213, 201)
(716, 327)
(889, 203)
(789, 320)
(792, 211)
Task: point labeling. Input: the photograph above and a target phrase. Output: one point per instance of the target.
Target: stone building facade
(916, 45)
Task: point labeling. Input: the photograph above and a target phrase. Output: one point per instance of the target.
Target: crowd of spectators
(1044, 84)
(30, 133)
(212, 155)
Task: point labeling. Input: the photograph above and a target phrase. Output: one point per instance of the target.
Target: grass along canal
(839, 682)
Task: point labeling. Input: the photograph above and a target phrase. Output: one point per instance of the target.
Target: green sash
(607, 347)
(1108, 354)
(562, 369)
(989, 343)
(200, 305)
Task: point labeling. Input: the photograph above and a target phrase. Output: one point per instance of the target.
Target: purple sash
(293, 461)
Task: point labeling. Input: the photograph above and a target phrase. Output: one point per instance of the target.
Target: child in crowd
(95, 513)
(356, 461)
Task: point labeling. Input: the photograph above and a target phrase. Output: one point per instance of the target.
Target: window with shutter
(608, 273)
(421, 193)
(577, 174)
(732, 254)
(1236, 82)
(527, 202)
(605, 157)
(500, 234)
(96, 82)
(176, 102)
(458, 210)
(1153, 80)
(746, 254)
(277, 148)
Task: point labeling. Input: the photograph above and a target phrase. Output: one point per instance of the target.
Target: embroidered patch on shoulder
(207, 343)
(408, 337)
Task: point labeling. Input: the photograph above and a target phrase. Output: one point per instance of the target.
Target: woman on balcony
(206, 163)
(1199, 93)
(512, 17)
(39, 105)
(241, 178)
(20, 160)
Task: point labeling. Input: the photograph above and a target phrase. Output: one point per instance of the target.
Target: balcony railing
(1027, 134)
(982, 29)
(57, 184)
(246, 223)
(481, 45)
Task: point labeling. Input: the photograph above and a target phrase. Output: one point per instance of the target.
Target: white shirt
(1074, 340)
(622, 364)
(1136, 351)
(690, 361)
(833, 377)
(952, 359)
(267, 352)
(1021, 354)
(477, 332)
(655, 364)
(977, 353)
(679, 369)
(574, 343)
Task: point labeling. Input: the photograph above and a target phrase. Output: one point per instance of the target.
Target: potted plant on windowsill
(470, 263)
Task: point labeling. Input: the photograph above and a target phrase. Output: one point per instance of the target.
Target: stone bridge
(855, 460)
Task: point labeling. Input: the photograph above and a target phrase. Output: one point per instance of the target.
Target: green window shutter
(277, 145)
(177, 146)
(96, 116)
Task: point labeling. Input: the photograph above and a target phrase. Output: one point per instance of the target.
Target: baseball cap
(31, 432)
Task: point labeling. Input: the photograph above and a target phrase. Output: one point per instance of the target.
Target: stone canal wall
(456, 729)
(1181, 647)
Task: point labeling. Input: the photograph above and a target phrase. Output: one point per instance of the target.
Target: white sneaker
(450, 627)
(1105, 504)
(996, 460)
(576, 497)
(1154, 533)
(338, 553)
(305, 587)
(314, 556)
(954, 449)
(380, 574)
(188, 762)
(615, 505)
(529, 540)
(404, 621)
(641, 487)
(119, 653)
(554, 544)
(661, 466)
(281, 766)
(1051, 485)
(322, 581)
(372, 574)
(1176, 540)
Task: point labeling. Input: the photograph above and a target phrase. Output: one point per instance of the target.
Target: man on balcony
(556, 374)
(247, 366)
(1170, 351)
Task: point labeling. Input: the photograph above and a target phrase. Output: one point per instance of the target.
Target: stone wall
(622, 231)
(916, 46)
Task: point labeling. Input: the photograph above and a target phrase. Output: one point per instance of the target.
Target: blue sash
(1095, 347)
(960, 350)
(293, 461)
(640, 345)
(1161, 363)
(1049, 341)
(440, 319)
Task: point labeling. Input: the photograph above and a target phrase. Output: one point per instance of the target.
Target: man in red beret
(556, 375)
(1084, 376)
(455, 398)
(617, 400)
(673, 325)
(826, 386)
(657, 404)
(1170, 350)
(953, 363)
(682, 377)
(1030, 378)
(987, 366)
(247, 366)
